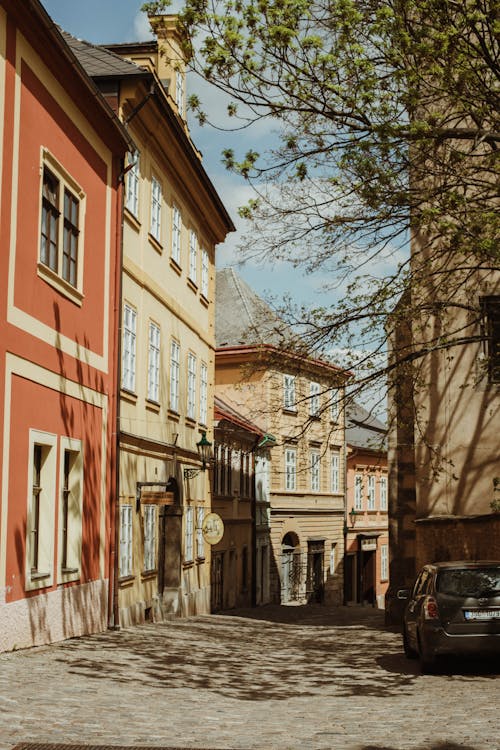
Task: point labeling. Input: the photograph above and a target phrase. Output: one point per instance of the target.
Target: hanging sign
(213, 528)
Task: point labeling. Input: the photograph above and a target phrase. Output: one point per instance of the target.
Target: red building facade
(61, 154)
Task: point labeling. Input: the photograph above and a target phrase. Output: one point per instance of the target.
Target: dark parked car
(453, 608)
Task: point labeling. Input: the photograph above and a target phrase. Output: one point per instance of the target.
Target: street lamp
(204, 448)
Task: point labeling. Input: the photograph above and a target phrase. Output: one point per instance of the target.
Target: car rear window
(469, 582)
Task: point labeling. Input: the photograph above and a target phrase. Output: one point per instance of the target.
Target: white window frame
(371, 492)
(188, 534)
(289, 401)
(193, 256)
(290, 469)
(154, 362)
(191, 386)
(176, 234)
(126, 540)
(358, 492)
(204, 272)
(314, 399)
(179, 92)
(175, 366)
(150, 533)
(383, 492)
(384, 562)
(133, 183)
(72, 514)
(43, 575)
(129, 347)
(315, 471)
(203, 393)
(333, 557)
(334, 404)
(335, 471)
(200, 542)
(156, 207)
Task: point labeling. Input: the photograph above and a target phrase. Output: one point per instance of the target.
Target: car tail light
(431, 611)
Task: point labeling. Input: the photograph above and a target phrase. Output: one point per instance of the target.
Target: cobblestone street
(279, 678)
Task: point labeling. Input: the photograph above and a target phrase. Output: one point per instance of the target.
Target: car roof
(463, 564)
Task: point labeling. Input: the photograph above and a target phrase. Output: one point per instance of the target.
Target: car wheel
(410, 652)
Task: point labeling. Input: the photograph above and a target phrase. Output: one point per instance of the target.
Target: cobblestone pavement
(274, 678)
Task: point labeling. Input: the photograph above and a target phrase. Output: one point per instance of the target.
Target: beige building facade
(172, 221)
(298, 401)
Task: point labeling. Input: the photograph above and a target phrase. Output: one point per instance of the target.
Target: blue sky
(106, 21)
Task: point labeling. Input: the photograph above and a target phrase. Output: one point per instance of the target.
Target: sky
(108, 21)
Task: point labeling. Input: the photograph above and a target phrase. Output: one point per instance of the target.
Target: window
(290, 468)
(156, 201)
(193, 255)
(60, 240)
(203, 393)
(491, 323)
(314, 390)
(129, 344)
(204, 272)
(358, 492)
(40, 522)
(149, 537)
(70, 509)
(200, 542)
(335, 471)
(371, 492)
(125, 540)
(176, 235)
(289, 392)
(384, 562)
(334, 404)
(175, 357)
(333, 556)
(154, 363)
(383, 493)
(179, 92)
(188, 534)
(132, 197)
(315, 471)
(191, 387)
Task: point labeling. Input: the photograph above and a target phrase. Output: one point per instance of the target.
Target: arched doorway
(291, 568)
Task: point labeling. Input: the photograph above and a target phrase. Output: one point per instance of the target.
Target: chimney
(172, 57)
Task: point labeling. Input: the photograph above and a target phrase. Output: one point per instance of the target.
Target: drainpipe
(113, 602)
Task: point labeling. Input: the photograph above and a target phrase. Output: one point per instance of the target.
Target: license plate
(482, 614)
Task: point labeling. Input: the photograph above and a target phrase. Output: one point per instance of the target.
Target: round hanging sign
(213, 528)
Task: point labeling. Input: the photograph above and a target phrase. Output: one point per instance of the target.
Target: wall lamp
(352, 517)
(204, 448)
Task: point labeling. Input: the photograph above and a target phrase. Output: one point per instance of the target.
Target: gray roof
(241, 316)
(99, 62)
(363, 430)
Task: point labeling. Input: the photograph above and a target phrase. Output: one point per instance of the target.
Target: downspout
(346, 528)
(113, 602)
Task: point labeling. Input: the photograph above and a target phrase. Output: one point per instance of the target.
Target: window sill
(128, 396)
(124, 580)
(173, 415)
(39, 576)
(192, 285)
(148, 574)
(289, 410)
(190, 422)
(153, 406)
(188, 564)
(60, 285)
(200, 560)
(132, 219)
(204, 300)
(175, 266)
(155, 243)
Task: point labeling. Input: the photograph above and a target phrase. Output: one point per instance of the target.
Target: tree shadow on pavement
(246, 659)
